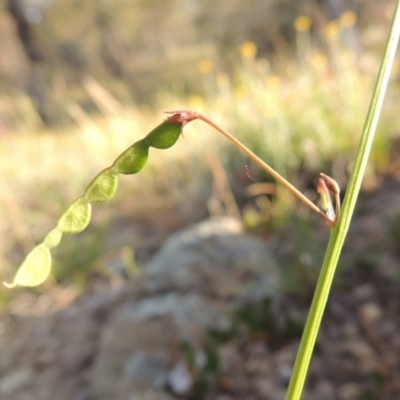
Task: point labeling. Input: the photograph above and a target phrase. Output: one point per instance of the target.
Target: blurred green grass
(302, 113)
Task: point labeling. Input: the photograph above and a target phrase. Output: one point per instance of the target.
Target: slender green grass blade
(339, 233)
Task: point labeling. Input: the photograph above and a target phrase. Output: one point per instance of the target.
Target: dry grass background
(301, 110)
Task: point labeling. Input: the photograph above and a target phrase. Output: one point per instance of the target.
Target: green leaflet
(103, 187)
(133, 159)
(76, 218)
(37, 265)
(53, 238)
(35, 269)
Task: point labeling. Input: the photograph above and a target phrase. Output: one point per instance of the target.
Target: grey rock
(191, 286)
(180, 379)
(349, 391)
(371, 312)
(138, 349)
(15, 380)
(324, 390)
(151, 395)
(215, 258)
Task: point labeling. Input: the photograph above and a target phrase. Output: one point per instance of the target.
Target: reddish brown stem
(185, 116)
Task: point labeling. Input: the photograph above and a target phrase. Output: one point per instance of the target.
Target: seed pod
(76, 218)
(103, 187)
(35, 269)
(37, 265)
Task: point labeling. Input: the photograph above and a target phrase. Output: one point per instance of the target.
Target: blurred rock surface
(127, 343)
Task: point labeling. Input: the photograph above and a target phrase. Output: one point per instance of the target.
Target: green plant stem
(338, 234)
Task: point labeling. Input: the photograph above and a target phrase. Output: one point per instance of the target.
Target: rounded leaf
(164, 135)
(103, 187)
(76, 218)
(133, 159)
(35, 269)
(53, 238)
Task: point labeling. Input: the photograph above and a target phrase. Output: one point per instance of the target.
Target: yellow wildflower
(302, 23)
(206, 66)
(319, 62)
(332, 29)
(248, 50)
(348, 18)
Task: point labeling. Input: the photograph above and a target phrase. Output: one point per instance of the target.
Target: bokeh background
(82, 80)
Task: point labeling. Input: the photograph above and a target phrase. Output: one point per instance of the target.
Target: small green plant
(205, 374)
(37, 265)
(394, 230)
(259, 317)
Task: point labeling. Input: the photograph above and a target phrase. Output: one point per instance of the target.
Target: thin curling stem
(271, 171)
